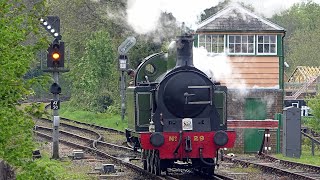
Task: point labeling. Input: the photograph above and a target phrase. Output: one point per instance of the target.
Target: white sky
(143, 14)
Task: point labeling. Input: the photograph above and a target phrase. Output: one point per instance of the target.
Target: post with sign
(55, 103)
(55, 64)
(123, 66)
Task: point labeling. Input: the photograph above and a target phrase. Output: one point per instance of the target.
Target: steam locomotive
(176, 113)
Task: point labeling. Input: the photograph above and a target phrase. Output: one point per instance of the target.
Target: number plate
(187, 124)
(55, 105)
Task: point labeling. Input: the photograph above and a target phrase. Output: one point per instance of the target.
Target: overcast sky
(143, 14)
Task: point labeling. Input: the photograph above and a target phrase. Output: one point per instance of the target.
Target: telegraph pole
(123, 66)
(55, 64)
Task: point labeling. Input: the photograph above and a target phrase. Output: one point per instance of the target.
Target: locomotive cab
(139, 96)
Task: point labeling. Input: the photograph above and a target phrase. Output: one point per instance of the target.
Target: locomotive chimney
(184, 45)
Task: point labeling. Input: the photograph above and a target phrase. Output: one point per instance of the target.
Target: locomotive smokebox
(184, 50)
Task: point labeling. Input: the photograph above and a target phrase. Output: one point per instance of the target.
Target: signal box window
(241, 44)
(267, 44)
(212, 43)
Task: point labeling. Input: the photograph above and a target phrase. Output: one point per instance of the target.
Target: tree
(80, 19)
(95, 76)
(314, 104)
(18, 26)
(306, 53)
(302, 25)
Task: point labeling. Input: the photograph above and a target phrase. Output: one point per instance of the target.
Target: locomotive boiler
(176, 113)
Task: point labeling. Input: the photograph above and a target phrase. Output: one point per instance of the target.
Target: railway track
(103, 154)
(107, 134)
(273, 165)
(88, 137)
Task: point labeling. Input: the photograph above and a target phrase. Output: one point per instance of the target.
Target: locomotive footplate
(187, 144)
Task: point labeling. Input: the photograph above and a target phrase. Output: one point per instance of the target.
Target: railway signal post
(123, 66)
(55, 64)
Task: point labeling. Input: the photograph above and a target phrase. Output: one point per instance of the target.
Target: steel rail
(105, 155)
(271, 168)
(308, 167)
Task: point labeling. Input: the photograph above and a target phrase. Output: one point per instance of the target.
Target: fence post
(312, 147)
(278, 117)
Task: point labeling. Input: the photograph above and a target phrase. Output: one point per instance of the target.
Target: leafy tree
(18, 25)
(15, 128)
(82, 18)
(166, 31)
(302, 25)
(306, 53)
(95, 77)
(302, 42)
(314, 104)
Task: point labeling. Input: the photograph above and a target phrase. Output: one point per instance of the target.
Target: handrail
(313, 140)
(310, 137)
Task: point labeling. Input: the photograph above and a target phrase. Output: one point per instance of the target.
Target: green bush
(314, 122)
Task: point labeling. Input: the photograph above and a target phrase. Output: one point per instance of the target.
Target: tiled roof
(237, 18)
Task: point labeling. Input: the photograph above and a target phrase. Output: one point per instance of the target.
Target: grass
(102, 119)
(63, 170)
(306, 157)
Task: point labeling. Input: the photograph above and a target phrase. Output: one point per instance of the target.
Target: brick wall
(236, 101)
(236, 110)
(239, 144)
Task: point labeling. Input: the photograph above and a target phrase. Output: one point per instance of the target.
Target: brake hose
(205, 162)
(175, 152)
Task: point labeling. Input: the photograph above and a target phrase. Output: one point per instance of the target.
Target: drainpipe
(279, 116)
(282, 63)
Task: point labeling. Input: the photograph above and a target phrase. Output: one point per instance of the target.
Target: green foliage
(47, 169)
(302, 24)
(36, 110)
(17, 23)
(96, 77)
(314, 104)
(39, 83)
(34, 170)
(15, 135)
(81, 22)
(142, 50)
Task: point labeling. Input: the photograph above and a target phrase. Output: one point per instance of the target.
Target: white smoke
(218, 68)
(269, 100)
(143, 15)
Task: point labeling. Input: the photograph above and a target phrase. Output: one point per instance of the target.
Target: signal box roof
(235, 18)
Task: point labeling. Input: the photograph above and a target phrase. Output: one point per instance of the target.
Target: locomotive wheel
(157, 170)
